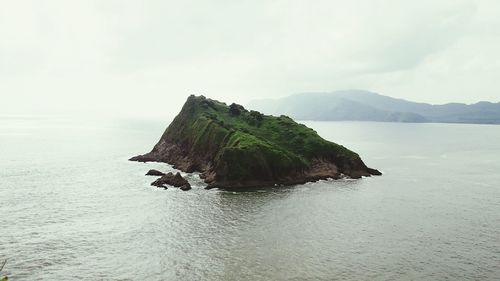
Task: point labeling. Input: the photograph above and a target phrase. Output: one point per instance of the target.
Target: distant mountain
(357, 105)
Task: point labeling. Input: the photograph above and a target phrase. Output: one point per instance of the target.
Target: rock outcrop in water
(173, 180)
(154, 172)
(233, 147)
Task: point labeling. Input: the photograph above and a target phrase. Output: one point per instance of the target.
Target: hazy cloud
(145, 57)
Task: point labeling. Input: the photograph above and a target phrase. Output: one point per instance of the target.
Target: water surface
(72, 207)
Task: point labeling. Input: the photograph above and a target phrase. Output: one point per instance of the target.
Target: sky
(143, 58)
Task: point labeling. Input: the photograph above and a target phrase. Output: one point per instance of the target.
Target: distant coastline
(360, 105)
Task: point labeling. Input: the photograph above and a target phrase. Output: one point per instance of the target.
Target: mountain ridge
(360, 105)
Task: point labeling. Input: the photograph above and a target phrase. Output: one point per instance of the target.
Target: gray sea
(73, 208)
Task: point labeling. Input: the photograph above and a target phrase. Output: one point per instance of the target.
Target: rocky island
(233, 147)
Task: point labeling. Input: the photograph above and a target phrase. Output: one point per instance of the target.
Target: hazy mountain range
(358, 105)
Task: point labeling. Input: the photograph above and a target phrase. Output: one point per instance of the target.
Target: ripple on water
(73, 208)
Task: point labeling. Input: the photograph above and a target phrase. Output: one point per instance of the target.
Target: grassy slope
(248, 144)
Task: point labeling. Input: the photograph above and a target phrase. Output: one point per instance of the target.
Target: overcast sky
(145, 57)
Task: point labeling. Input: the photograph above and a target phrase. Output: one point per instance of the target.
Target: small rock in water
(174, 180)
(154, 172)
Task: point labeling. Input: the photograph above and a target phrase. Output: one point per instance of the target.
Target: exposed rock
(236, 109)
(173, 180)
(234, 147)
(374, 172)
(142, 158)
(154, 172)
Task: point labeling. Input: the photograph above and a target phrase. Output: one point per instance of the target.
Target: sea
(72, 207)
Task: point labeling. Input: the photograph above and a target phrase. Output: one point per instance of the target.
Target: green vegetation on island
(235, 147)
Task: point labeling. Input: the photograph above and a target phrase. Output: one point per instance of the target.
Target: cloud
(124, 57)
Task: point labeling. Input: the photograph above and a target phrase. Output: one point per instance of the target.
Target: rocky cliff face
(234, 147)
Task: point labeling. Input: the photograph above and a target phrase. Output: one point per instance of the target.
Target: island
(232, 147)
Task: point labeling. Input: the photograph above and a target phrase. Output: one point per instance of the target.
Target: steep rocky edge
(233, 148)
